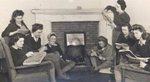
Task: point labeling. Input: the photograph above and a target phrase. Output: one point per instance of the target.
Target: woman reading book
(21, 52)
(141, 50)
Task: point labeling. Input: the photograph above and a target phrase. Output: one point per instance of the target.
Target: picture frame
(74, 38)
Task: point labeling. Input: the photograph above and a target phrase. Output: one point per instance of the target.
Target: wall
(137, 9)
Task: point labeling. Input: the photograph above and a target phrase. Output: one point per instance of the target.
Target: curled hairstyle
(141, 29)
(122, 4)
(51, 34)
(36, 27)
(14, 38)
(102, 38)
(15, 14)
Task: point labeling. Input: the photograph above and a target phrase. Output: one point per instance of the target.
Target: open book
(35, 59)
(131, 55)
(128, 53)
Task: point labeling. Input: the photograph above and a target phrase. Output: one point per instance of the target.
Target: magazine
(35, 59)
(131, 55)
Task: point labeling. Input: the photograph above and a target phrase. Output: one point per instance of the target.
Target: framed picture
(75, 38)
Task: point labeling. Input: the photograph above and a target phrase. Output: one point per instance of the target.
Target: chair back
(9, 60)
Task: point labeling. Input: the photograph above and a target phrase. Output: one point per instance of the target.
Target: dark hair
(141, 29)
(51, 34)
(14, 38)
(102, 38)
(129, 27)
(122, 4)
(36, 27)
(15, 14)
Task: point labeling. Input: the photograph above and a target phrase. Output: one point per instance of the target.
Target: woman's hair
(129, 27)
(141, 29)
(14, 38)
(15, 14)
(36, 27)
(102, 38)
(51, 34)
(122, 4)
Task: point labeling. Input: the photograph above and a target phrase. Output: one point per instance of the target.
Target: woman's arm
(10, 30)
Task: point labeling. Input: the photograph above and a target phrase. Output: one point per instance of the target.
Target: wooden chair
(25, 73)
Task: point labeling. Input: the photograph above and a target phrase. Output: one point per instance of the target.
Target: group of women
(17, 30)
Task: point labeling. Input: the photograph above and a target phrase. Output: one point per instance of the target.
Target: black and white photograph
(74, 41)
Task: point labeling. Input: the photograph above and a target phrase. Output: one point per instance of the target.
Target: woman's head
(37, 30)
(121, 5)
(52, 37)
(126, 29)
(17, 40)
(139, 31)
(17, 16)
(102, 42)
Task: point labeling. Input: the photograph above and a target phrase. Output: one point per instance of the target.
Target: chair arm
(32, 66)
(136, 69)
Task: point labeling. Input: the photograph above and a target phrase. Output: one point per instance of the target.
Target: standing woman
(120, 19)
(16, 25)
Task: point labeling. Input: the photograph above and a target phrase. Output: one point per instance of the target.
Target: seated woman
(53, 48)
(20, 52)
(126, 38)
(102, 55)
(141, 50)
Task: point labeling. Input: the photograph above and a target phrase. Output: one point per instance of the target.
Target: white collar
(142, 42)
(36, 39)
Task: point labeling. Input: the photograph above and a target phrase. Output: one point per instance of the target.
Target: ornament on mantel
(79, 8)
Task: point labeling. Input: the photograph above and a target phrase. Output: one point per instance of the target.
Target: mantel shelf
(66, 11)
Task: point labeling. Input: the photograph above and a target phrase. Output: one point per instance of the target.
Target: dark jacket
(119, 19)
(29, 41)
(11, 28)
(18, 55)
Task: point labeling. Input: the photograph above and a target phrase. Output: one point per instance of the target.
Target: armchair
(133, 74)
(25, 73)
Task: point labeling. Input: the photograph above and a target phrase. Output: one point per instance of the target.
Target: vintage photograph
(74, 41)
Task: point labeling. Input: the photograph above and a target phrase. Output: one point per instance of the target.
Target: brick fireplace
(69, 20)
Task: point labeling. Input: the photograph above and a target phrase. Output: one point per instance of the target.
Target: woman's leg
(59, 70)
(67, 66)
(52, 73)
(93, 61)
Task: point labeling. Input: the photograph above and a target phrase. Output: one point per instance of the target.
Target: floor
(79, 74)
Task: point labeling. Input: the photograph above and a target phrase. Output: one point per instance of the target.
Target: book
(128, 53)
(131, 55)
(35, 59)
(123, 45)
(23, 31)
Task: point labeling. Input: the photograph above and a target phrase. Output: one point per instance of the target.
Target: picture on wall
(75, 38)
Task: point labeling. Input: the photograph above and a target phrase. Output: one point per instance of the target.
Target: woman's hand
(29, 54)
(93, 53)
(142, 64)
(42, 49)
(12, 33)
